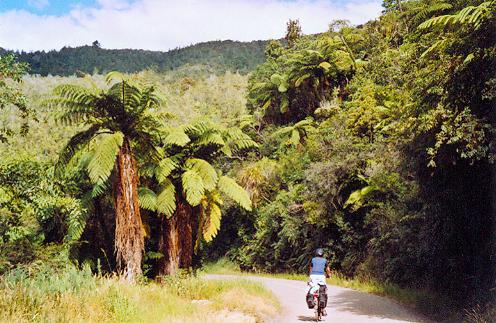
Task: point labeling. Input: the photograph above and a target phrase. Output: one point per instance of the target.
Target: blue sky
(165, 24)
(44, 7)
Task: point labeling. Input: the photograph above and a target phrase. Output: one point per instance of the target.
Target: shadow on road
(304, 318)
(369, 305)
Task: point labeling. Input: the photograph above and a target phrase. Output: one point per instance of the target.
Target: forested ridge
(375, 142)
(219, 56)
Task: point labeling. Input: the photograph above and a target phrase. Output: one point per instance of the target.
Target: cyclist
(319, 270)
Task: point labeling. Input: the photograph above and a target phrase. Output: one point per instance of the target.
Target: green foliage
(189, 174)
(394, 179)
(193, 186)
(221, 56)
(120, 113)
(35, 209)
(471, 15)
(166, 200)
(11, 72)
(293, 32)
(298, 132)
(376, 143)
(289, 87)
(229, 187)
(103, 158)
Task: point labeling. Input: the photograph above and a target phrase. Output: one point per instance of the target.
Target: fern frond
(305, 122)
(166, 200)
(75, 93)
(438, 44)
(238, 139)
(101, 165)
(472, 15)
(193, 187)
(128, 95)
(147, 199)
(99, 188)
(234, 191)
(165, 168)
(76, 218)
(246, 121)
(226, 150)
(210, 138)
(76, 143)
(114, 76)
(176, 136)
(214, 215)
(215, 197)
(205, 170)
(425, 11)
(283, 131)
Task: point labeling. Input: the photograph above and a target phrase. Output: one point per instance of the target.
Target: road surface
(344, 304)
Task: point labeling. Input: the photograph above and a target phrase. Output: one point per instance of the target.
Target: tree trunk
(176, 240)
(129, 241)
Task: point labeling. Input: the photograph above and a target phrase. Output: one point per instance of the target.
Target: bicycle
(318, 301)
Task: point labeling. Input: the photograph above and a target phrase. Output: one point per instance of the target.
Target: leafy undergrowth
(72, 295)
(424, 302)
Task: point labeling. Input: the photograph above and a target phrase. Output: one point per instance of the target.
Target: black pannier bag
(323, 296)
(310, 300)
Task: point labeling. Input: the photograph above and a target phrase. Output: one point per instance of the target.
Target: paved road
(344, 305)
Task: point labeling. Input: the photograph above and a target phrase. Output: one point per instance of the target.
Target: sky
(165, 24)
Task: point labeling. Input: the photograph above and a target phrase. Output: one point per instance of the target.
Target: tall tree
(293, 32)
(121, 125)
(189, 189)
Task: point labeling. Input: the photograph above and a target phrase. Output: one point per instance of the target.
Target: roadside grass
(425, 302)
(73, 295)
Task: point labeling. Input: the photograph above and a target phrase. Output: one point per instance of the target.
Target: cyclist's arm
(310, 269)
(328, 271)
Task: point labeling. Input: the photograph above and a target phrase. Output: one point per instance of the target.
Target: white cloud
(38, 4)
(166, 24)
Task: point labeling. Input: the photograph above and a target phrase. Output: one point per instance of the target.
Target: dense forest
(375, 142)
(219, 56)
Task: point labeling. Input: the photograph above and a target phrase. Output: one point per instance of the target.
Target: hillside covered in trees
(220, 56)
(375, 142)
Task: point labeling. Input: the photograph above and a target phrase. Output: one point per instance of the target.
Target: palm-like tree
(290, 87)
(120, 124)
(189, 189)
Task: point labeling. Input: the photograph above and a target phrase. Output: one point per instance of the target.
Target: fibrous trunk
(176, 240)
(129, 241)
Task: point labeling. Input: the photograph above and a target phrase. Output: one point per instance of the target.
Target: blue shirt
(318, 266)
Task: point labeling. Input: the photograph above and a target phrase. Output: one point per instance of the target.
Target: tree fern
(121, 114)
(238, 194)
